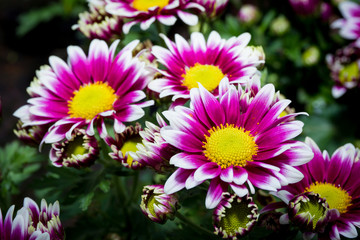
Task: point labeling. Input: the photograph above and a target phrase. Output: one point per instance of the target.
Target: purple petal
(18, 228)
(239, 190)
(176, 181)
(207, 171)
(227, 174)
(213, 196)
(240, 175)
(188, 161)
(182, 140)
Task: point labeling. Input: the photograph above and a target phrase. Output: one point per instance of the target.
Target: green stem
(194, 226)
(160, 28)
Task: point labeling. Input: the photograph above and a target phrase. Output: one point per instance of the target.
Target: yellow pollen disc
(229, 146)
(91, 100)
(336, 197)
(130, 146)
(349, 73)
(144, 5)
(208, 75)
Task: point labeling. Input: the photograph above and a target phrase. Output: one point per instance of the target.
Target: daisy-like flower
(345, 69)
(349, 26)
(336, 180)
(158, 206)
(97, 23)
(213, 8)
(147, 12)
(79, 151)
(234, 140)
(32, 223)
(155, 152)
(201, 62)
(235, 216)
(124, 148)
(86, 91)
(30, 135)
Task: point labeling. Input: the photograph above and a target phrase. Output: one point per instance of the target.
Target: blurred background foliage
(31, 31)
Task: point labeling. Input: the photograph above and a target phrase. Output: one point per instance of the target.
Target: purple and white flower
(335, 179)
(213, 8)
(205, 62)
(87, 90)
(147, 12)
(349, 26)
(158, 206)
(305, 7)
(32, 222)
(236, 140)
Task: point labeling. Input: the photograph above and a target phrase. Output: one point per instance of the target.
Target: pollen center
(130, 146)
(144, 5)
(91, 100)
(208, 75)
(235, 218)
(336, 197)
(229, 146)
(349, 73)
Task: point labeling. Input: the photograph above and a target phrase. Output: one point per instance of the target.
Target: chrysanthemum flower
(345, 69)
(349, 26)
(79, 151)
(305, 7)
(147, 12)
(201, 62)
(213, 8)
(336, 179)
(235, 216)
(97, 23)
(86, 91)
(30, 135)
(158, 206)
(124, 148)
(154, 151)
(248, 14)
(235, 140)
(32, 223)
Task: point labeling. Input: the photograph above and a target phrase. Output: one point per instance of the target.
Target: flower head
(158, 206)
(213, 8)
(345, 69)
(334, 179)
(234, 140)
(202, 62)
(80, 150)
(305, 7)
(349, 26)
(30, 135)
(154, 151)
(97, 23)
(86, 91)
(235, 216)
(249, 14)
(147, 12)
(124, 146)
(32, 223)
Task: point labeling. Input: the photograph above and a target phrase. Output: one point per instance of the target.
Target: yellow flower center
(229, 146)
(336, 197)
(208, 75)
(349, 73)
(316, 211)
(91, 100)
(130, 146)
(76, 147)
(144, 5)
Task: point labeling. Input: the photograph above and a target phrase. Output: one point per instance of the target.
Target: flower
(147, 12)
(236, 139)
(30, 135)
(249, 14)
(344, 66)
(255, 52)
(280, 25)
(305, 7)
(124, 147)
(336, 180)
(154, 151)
(32, 223)
(158, 206)
(311, 56)
(349, 26)
(201, 62)
(79, 151)
(235, 216)
(86, 91)
(213, 8)
(309, 212)
(97, 23)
